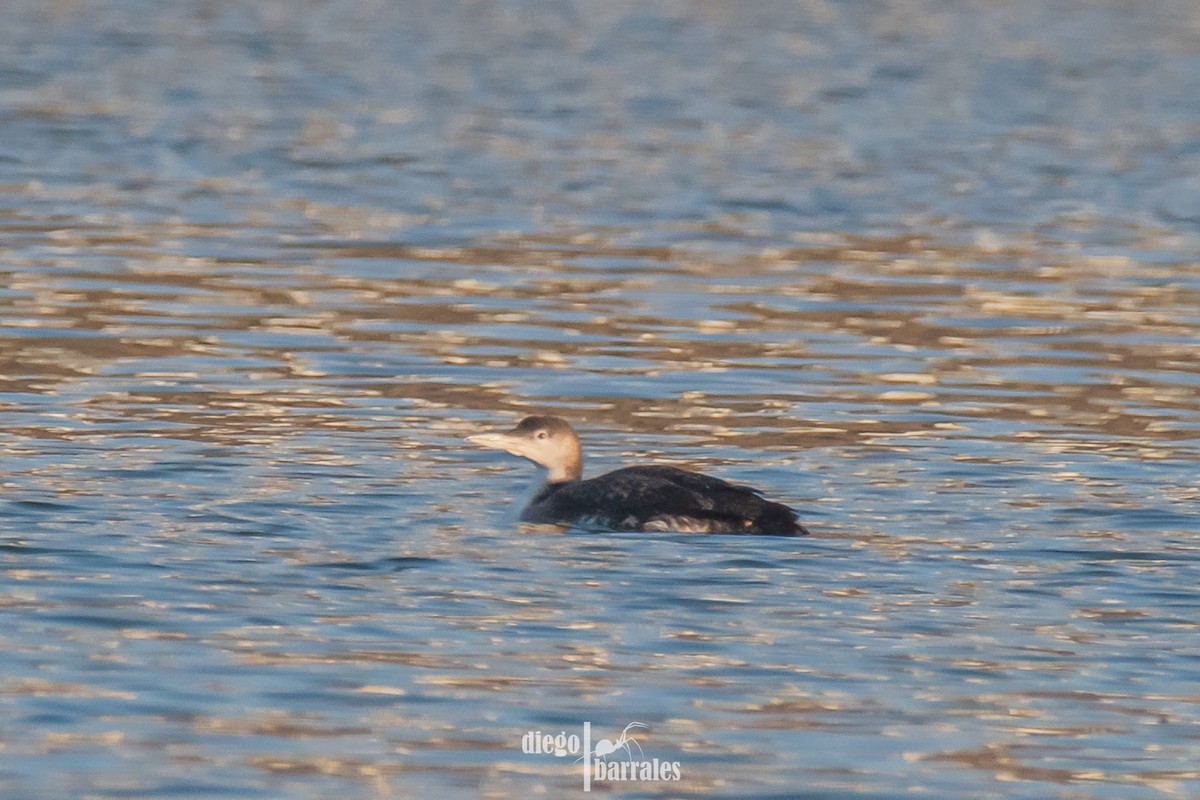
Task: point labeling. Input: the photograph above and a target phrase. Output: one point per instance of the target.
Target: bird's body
(643, 498)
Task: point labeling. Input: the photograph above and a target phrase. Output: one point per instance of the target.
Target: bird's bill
(517, 445)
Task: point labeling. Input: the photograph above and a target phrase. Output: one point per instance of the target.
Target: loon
(650, 498)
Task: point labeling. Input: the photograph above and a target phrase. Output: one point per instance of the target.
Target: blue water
(924, 272)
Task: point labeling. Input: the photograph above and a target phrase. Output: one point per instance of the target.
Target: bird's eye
(542, 434)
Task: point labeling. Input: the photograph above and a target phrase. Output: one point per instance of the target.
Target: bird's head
(549, 442)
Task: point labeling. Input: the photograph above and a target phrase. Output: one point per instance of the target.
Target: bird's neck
(571, 469)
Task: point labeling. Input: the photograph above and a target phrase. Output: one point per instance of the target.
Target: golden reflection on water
(1085, 346)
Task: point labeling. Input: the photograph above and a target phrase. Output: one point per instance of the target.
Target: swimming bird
(648, 498)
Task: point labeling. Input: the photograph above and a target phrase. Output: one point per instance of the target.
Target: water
(925, 272)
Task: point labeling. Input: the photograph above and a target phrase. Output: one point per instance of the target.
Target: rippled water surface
(926, 272)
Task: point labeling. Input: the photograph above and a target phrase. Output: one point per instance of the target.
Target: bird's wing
(636, 494)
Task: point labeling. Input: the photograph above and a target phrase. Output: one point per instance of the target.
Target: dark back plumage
(662, 498)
